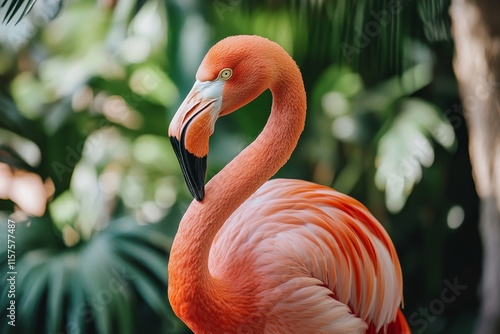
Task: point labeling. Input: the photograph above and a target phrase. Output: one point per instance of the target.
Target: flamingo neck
(194, 294)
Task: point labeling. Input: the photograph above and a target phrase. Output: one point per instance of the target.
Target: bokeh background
(86, 93)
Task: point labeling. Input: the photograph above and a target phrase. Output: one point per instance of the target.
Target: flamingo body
(317, 255)
(282, 256)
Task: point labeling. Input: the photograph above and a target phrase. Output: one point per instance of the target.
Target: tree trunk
(476, 31)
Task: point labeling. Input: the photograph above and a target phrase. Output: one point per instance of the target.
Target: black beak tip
(193, 168)
(199, 194)
(196, 186)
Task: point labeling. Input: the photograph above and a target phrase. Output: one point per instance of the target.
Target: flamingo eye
(225, 73)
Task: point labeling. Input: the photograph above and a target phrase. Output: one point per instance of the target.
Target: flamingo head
(234, 72)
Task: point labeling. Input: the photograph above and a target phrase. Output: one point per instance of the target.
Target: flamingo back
(316, 259)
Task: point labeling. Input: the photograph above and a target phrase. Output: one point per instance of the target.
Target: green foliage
(93, 123)
(93, 286)
(16, 6)
(405, 148)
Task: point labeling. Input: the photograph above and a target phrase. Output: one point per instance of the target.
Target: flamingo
(282, 256)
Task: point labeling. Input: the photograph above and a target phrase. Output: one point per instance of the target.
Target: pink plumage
(314, 251)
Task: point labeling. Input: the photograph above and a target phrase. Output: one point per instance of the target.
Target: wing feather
(307, 243)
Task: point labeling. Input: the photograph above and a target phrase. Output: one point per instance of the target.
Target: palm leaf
(15, 7)
(406, 147)
(56, 291)
(366, 34)
(94, 286)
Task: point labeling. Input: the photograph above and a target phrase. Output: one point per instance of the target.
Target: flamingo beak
(190, 130)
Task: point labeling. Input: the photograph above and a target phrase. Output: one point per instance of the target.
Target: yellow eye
(225, 73)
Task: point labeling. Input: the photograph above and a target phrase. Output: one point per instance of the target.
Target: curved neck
(192, 290)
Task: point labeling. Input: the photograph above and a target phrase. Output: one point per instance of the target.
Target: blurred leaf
(406, 147)
(382, 96)
(154, 85)
(14, 160)
(12, 119)
(56, 291)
